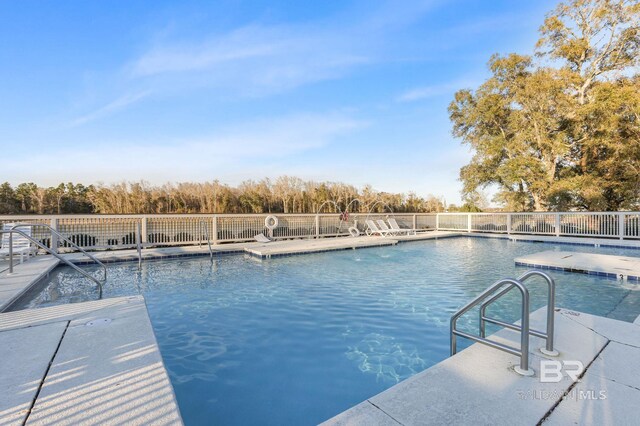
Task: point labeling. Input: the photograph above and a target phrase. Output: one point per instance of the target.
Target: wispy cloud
(260, 59)
(275, 137)
(256, 143)
(257, 59)
(116, 105)
(431, 91)
(254, 60)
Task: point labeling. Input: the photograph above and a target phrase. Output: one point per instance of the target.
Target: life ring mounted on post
(271, 222)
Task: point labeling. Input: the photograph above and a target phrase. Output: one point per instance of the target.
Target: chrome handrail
(523, 352)
(68, 241)
(48, 250)
(202, 224)
(138, 244)
(551, 302)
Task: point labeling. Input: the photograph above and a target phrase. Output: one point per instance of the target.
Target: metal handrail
(202, 224)
(551, 302)
(139, 245)
(523, 352)
(48, 250)
(68, 241)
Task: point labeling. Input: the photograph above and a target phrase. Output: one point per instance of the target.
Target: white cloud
(237, 148)
(426, 92)
(116, 105)
(257, 60)
(276, 137)
(254, 60)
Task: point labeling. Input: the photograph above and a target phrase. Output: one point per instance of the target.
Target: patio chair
(21, 245)
(372, 229)
(394, 226)
(384, 227)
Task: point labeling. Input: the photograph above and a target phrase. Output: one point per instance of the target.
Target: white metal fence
(120, 231)
(621, 225)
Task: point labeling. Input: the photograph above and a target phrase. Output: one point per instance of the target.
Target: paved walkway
(85, 363)
(293, 247)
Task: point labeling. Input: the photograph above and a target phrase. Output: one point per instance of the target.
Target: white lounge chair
(21, 245)
(261, 238)
(384, 227)
(394, 226)
(372, 229)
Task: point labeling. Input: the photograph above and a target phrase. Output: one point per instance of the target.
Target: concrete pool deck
(478, 385)
(277, 247)
(295, 247)
(12, 286)
(611, 266)
(87, 363)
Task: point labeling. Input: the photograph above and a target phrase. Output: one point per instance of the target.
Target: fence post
(557, 224)
(437, 221)
(621, 226)
(143, 231)
(54, 238)
(508, 223)
(214, 230)
(415, 221)
(317, 226)
(468, 222)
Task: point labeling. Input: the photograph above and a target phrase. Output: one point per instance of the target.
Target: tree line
(560, 130)
(282, 195)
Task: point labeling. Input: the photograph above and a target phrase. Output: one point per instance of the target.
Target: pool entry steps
(27, 233)
(495, 292)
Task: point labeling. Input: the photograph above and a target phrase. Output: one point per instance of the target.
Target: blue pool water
(296, 340)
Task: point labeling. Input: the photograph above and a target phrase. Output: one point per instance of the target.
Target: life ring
(354, 231)
(344, 216)
(271, 222)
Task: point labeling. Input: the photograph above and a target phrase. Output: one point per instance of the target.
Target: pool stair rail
(203, 229)
(139, 244)
(54, 252)
(494, 293)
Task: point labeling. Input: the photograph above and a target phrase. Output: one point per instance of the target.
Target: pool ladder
(53, 251)
(492, 294)
(139, 244)
(203, 229)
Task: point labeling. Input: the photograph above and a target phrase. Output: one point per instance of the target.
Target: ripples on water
(296, 340)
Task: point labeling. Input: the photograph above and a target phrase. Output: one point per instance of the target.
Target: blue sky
(106, 91)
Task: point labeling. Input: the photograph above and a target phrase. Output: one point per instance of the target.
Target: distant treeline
(283, 195)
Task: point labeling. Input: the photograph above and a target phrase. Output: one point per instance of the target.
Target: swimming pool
(296, 340)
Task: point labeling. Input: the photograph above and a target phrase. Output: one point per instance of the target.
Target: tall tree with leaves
(562, 130)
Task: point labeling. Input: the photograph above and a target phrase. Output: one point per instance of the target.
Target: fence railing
(120, 231)
(621, 225)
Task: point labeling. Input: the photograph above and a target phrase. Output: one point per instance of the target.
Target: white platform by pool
(591, 263)
(85, 363)
(478, 386)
